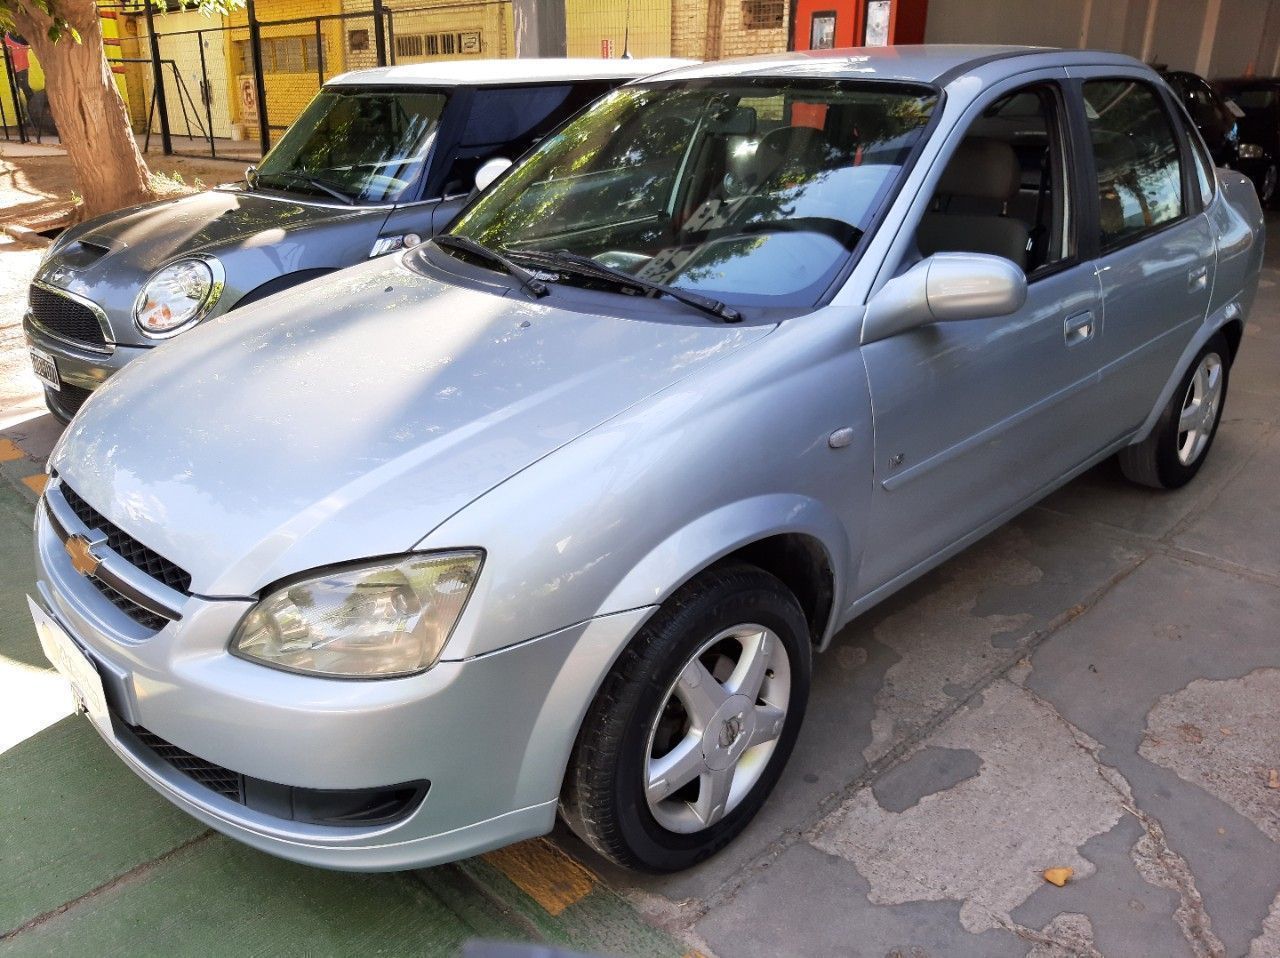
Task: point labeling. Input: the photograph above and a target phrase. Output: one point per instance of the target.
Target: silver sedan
(551, 513)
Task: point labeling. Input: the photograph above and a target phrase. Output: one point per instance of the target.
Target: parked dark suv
(1258, 99)
(379, 160)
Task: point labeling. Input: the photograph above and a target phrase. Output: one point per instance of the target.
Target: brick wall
(746, 27)
(588, 23)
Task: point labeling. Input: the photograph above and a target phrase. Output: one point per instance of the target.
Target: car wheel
(693, 725)
(1180, 441)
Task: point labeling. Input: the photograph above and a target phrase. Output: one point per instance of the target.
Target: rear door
(1154, 245)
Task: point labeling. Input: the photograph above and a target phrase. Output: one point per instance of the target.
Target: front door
(974, 419)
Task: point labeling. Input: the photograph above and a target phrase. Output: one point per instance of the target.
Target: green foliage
(60, 27)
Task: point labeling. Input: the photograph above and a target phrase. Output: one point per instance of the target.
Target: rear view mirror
(490, 170)
(946, 287)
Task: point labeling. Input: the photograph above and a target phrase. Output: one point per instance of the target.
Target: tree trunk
(93, 124)
(714, 44)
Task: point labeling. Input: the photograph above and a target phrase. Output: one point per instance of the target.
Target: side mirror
(944, 288)
(490, 170)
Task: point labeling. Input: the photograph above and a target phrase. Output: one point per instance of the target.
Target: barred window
(763, 14)
(409, 46)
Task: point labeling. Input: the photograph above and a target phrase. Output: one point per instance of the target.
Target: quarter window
(1138, 162)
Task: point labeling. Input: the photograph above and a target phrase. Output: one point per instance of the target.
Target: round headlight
(176, 296)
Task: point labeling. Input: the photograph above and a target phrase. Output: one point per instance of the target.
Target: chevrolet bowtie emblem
(82, 558)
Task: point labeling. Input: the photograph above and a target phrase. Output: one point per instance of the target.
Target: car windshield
(366, 145)
(752, 191)
(1253, 99)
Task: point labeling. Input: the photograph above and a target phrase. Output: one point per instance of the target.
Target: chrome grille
(66, 318)
(127, 547)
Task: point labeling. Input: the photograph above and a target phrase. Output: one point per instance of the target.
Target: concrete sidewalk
(1093, 687)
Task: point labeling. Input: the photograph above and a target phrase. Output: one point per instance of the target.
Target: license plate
(74, 665)
(46, 368)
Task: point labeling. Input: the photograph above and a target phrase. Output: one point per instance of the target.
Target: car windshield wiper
(530, 282)
(568, 262)
(323, 185)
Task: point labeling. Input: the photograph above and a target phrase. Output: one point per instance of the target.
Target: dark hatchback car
(379, 160)
(1211, 114)
(1258, 100)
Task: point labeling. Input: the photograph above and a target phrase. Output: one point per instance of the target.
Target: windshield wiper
(530, 282)
(568, 262)
(322, 185)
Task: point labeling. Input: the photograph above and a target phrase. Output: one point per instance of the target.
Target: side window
(1005, 190)
(1137, 158)
(508, 121)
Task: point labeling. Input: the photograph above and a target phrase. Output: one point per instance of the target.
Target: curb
(26, 235)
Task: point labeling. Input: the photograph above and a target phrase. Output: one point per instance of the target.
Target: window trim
(1190, 209)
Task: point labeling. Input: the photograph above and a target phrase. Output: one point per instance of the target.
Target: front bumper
(491, 734)
(81, 368)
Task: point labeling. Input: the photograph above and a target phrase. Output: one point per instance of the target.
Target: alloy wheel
(717, 728)
(1199, 413)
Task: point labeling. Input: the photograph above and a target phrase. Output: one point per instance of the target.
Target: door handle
(1197, 279)
(1077, 329)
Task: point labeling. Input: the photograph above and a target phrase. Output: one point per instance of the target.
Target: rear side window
(508, 121)
(1138, 161)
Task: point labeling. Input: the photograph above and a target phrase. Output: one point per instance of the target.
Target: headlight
(371, 621)
(1250, 151)
(176, 296)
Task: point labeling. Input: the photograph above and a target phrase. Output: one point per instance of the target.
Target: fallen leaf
(1058, 876)
(1226, 731)
(1273, 779)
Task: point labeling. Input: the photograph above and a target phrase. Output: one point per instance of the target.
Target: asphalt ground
(1094, 687)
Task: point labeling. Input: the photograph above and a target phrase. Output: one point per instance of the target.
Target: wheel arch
(807, 551)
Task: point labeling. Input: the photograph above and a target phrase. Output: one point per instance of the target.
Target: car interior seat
(982, 179)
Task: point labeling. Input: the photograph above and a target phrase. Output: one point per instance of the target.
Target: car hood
(351, 416)
(146, 237)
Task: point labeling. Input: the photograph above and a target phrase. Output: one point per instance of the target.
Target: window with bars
(411, 45)
(763, 14)
(280, 55)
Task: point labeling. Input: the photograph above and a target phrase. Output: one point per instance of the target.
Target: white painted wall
(1213, 37)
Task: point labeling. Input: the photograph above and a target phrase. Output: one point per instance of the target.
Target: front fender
(712, 536)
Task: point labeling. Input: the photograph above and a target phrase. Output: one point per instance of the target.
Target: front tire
(1170, 457)
(692, 727)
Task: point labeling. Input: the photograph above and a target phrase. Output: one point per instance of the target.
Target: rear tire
(692, 727)
(1179, 443)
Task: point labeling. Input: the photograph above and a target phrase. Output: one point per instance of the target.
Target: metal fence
(227, 90)
(226, 86)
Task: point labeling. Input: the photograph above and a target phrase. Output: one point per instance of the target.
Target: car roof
(488, 72)
(937, 63)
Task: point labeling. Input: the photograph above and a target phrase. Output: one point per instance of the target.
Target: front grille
(127, 547)
(65, 317)
(144, 617)
(70, 398)
(350, 808)
(225, 782)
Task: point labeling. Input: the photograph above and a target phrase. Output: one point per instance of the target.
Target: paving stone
(1104, 495)
(986, 841)
(1236, 526)
(931, 769)
(809, 903)
(1107, 669)
(1128, 916)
